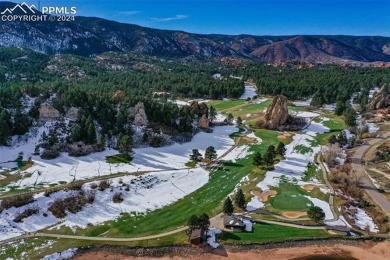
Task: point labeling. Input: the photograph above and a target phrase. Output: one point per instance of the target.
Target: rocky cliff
(138, 115)
(277, 113)
(381, 99)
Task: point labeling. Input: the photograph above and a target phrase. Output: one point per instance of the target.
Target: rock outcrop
(204, 122)
(277, 113)
(381, 99)
(138, 115)
(73, 113)
(277, 117)
(199, 109)
(48, 113)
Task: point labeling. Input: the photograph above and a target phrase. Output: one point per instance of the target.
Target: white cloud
(176, 17)
(130, 13)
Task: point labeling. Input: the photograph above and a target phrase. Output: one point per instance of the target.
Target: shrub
(77, 185)
(26, 213)
(104, 185)
(316, 213)
(93, 186)
(72, 204)
(117, 198)
(16, 201)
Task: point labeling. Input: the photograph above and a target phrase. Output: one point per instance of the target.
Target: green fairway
(290, 198)
(222, 105)
(271, 233)
(303, 149)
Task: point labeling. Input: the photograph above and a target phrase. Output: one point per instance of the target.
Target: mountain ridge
(93, 35)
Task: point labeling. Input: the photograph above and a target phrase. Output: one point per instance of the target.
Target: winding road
(359, 170)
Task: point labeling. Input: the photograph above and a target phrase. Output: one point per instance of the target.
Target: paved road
(365, 182)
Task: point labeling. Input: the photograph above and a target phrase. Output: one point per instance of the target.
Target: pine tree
(240, 199)
(258, 159)
(210, 153)
(5, 129)
(281, 149)
(91, 131)
(125, 145)
(212, 113)
(272, 151)
(239, 121)
(269, 158)
(196, 156)
(204, 221)
(228, 206)
(230, 118)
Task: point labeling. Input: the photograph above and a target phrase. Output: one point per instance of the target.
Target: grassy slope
(267, 233)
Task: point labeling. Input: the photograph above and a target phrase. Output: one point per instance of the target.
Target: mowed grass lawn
(271, 233)
(290, 198)
(222, 105)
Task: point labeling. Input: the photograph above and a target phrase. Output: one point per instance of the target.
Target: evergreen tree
(281, 149)
(91, 131)
(258, 159)
(340, 107)
(239, 121)
(269, 157)
(230, 118)
(5, 129)
(204, 221)
(350, 116)
(145, 137)
(316, 213)
(210, 153)
(196, 156)
(21, 123)
(240, 199)
(272, 151)
(228, 206)
(125, 145)
(212, 113)
(332, 139)
(75, 132)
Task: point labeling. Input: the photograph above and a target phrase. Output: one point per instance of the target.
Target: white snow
(372, 91)
(252, 135)
(306, 114)
(248, 224)
(260, 100)
(362, 220)
(149, 192)
(323, 205)
(211, 239)
(254, 203)
(239, 152)
(372, 127)
(341, 221)
(295, 164)
(303, 103)
(67, 254)
(329, 107)
(249, 92)
(66, 168)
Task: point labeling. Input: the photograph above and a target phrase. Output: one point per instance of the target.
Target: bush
(104, 185)
(316, 213)
(48, 154)
(16, 201)
(77, 185)
(26, 213)
(93, 186)
(72, 204)
(117, 198)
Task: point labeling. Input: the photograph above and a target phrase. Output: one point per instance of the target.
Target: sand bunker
(248, 140)
(264, 196)
(294, 214)
(284, 136)
(309, 187)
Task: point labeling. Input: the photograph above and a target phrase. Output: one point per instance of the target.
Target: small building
(198, 237)
(237, 223)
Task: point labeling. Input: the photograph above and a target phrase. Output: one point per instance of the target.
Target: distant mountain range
(88, 36)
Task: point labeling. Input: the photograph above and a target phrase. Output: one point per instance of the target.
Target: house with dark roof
(198, 236)
(237, 223)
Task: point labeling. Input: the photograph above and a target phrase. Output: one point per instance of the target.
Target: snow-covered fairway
(293, 167)
(147, 192)
(66, 168)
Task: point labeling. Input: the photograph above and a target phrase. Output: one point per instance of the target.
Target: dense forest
(90, 84)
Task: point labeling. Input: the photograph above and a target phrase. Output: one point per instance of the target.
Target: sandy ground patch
(264, 195)
(367, 250)
(308, 187)
(284, 136)
(294, 214)
(248, 140)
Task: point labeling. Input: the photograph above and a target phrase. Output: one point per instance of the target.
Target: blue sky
(258, 17)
